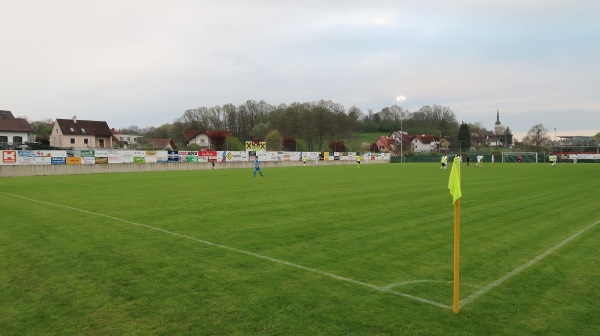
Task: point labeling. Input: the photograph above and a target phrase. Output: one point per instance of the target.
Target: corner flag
(454, 182)
(454, 186)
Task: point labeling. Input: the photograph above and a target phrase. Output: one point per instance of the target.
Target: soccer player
(574, 158)
(492, 158)
(257, 167)
(479, 158)
(304, 159)
(444, 161)
(358, 160)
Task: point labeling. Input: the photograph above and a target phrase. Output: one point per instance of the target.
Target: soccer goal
(525, 157)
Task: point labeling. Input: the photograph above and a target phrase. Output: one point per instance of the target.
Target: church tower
(498, 125)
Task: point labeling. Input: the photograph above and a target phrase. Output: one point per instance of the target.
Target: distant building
(424, 143)
(14, 132)
(81, 134)
(162, 144)
(126, 141)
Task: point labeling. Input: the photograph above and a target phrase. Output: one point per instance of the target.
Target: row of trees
(304, 126)
(313, 126)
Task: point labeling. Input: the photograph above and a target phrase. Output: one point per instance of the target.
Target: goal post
(514, 157)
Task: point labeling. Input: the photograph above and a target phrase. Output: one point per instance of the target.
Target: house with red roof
(384, 145)
(162, 144)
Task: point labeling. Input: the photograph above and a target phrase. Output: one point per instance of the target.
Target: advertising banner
(58, 160)
(101, 153)
(101, 160)
(9, 157)
(87, 153)
(173, 156)
(115, 158)
(73, 160)
(87, 159)
(162, 156)
(126, 156)
(207, 156)
(252, 146)
(234, 156)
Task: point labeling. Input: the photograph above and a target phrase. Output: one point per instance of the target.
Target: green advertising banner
(139, 159)
(88, 153)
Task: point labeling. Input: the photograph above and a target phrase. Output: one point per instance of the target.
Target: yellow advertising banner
(73, 160)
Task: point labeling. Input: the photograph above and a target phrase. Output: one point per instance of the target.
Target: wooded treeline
(316, 124)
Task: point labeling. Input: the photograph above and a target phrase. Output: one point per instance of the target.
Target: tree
(234, 144)
(274, 141)
(464, 136)
(508, 137)
(597, 138)
(537, 137)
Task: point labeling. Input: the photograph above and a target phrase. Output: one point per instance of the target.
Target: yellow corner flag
(454, 186)
(454, 182)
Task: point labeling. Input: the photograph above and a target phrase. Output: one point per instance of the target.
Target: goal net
(525, 157)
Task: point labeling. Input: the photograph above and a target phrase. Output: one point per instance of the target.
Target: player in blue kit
(257, 167)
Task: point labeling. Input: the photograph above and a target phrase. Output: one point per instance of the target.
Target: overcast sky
(145, 62)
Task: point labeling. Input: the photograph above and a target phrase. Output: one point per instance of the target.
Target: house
(384, 145)
(81, 134)
(423, 143)
(492, 141)
(162, 144)
(14, 132)
(215, 140)
(197, 137)
(126, 141)
(398, 138)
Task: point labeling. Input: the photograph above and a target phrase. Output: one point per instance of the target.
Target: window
(72, 141)
(17, 140)
(72, 130)
(120, 138)
(85, 141)
(82, 130)
(101, 143)
(128, 139)
(3, 139)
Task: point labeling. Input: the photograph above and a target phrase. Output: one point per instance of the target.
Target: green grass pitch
(327, 250)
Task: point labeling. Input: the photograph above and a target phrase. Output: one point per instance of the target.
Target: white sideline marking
(331, 275)
(519, 269)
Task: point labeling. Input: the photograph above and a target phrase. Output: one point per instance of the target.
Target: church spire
(497, 115)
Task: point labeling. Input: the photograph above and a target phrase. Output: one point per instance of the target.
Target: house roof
(425, 139)
(15, 125)
(385, 142)
(84, 127)
(161, 143)
(189, 135)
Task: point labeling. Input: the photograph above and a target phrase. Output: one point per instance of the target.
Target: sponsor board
(9, 157)
(58, 160)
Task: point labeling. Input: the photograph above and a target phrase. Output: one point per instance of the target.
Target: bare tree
(537, 137)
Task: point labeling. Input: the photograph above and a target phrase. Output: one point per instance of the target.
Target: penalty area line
(256, 255)
(521, 268)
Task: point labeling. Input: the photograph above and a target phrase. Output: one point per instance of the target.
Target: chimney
(75, 119)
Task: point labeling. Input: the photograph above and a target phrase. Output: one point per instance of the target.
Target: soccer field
(327, 250)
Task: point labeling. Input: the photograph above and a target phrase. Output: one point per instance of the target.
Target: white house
(197, 137)
(424, 143)
(14, 132)
(127, 141)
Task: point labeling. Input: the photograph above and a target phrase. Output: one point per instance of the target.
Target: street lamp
(400, 100)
